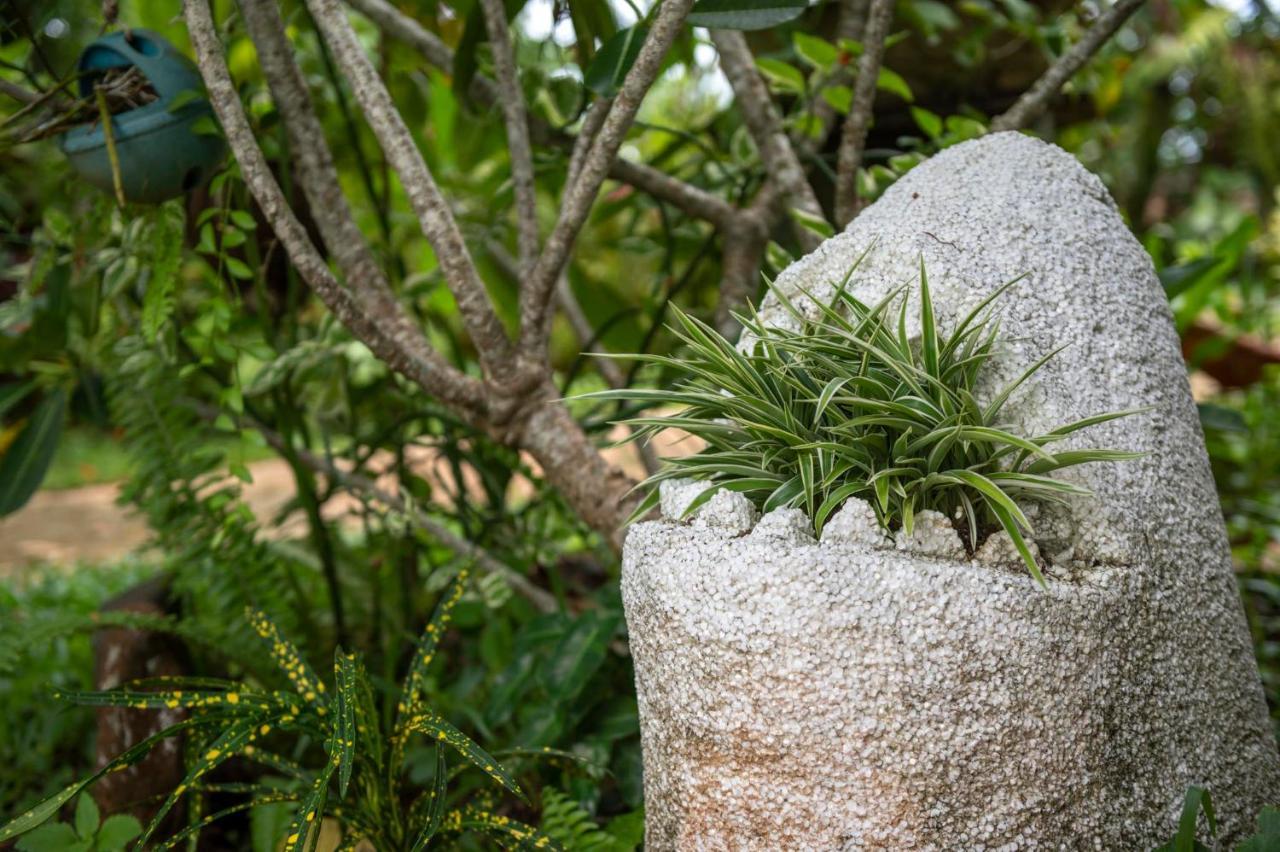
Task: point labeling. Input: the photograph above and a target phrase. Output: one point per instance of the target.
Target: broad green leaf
(811, 222)
(780, 75)
(87, 816)
(1267, 838)
(116, 832)
(609, 68)
(927, 121)
(744, 14)
(839, 97)
(55, 837)
(578, 655)
(818, 52)
(892, 81)
(24, 464)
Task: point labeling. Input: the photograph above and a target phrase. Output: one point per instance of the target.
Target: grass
(849, 404)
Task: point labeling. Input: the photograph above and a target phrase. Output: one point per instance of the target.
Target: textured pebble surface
(850, 693)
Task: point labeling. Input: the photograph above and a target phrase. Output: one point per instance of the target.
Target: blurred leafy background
(173, 349)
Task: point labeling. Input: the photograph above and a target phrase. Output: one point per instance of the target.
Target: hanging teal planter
(161, 155)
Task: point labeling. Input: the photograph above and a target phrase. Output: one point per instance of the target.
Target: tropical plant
(228, 719)
(87, 833)
(847, 404)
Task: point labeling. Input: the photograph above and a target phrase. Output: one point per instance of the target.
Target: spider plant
(847, 404)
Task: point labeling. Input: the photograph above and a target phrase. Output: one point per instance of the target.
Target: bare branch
(434, 215)
(691, 199)
(850, 24)
(316, 171)
(401, 27)
(572, 311)
(535, 298)
(853, 138)
(1035, 100)
(398, 344)
(765, 123)
(600, 493)
(685, 196)
(591, 123)
(18, 93)
(513, 113)
(741, 256)
(363, 486)
(743, 247)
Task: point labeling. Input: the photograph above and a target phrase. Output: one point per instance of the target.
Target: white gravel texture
(797, 694)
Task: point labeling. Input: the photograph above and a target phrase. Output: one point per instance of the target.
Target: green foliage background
(177, 333)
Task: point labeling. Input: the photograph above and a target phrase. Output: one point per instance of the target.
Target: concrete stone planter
(864, 693)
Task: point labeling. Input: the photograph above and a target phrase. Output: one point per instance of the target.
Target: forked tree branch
(765, 123)
(535, 297)
(693, 200)
(402, 349)
(434, 215)
(516, 117)
(316, 170)
(853, 138)
(1036, 99)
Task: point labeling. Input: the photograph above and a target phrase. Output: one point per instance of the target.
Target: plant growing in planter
(847, 404)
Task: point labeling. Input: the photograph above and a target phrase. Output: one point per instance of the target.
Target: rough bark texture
(853, 138)
(517, 121)
(797, 694)
(535, 297)
(389, 336)
(121, 655)
(765, 123)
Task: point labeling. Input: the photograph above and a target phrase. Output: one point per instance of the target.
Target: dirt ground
(88, 525)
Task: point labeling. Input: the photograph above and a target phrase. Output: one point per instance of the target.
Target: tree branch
(18, 93)
(519, 151)
(853, 138)
(393, 344)
(434, 215)
(691, 199)
(535, 297)
(363, 486)
(1035, 100)
(851, 25)
(316, 170)
(765, 123)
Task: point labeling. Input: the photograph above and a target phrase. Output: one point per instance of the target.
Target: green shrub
(359, 779)
(848, 405)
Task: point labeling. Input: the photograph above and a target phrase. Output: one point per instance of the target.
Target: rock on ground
(798, 694)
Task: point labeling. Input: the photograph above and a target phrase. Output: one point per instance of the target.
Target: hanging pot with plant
(159, 140)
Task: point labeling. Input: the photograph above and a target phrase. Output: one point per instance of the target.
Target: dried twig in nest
(122, 89)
